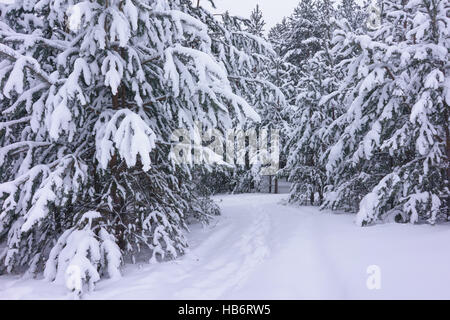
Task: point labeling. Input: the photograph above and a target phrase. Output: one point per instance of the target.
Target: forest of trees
(90, 92)
(369, 132)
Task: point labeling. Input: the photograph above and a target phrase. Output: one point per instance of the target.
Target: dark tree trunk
(276, 186)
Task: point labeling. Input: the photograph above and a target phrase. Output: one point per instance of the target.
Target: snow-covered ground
(261, 249)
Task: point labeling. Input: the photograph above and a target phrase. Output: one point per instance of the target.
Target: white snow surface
(262, 249)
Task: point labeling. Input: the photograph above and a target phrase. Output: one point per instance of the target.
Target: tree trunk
(311, 198)
(276, 185)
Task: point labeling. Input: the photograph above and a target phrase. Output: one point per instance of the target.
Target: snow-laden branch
(19, 146)
(7, 124)
(203, 75)
(9, 35)
(22, 62)
(126, 133)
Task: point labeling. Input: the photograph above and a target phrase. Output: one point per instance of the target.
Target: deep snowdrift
(260, 249)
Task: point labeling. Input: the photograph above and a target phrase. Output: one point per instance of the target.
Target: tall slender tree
(256, 22)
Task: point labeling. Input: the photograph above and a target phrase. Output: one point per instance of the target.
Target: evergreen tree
(90, 93)
(355, 14)
(392, 154)
(256, 22)
(314, 112)
(278, 36)
(249, 64)
(303, 35)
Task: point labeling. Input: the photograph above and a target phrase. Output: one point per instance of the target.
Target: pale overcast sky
(273, 10)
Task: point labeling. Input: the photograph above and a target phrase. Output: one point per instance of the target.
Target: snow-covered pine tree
(315, 110)
(303, 34)
(268, 87)
(90, 92)
(343, 54)
(278, 35)
(283, 74)
(393, 153)
(354, 13)
(246, 56)
(256, 22)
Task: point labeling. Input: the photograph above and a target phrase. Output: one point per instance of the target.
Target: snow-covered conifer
(314, 110)
(392, 154)
(249, 60)
(256, 22)
(90, 93)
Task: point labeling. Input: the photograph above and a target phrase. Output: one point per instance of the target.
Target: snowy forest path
(261, 249)
(257, 248)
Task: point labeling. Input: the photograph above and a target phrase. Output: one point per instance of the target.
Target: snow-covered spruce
(254, 72)
(393, 149)
(369, 132)
(90, 92)
(80, 256)
(319, 76)
(265, 87)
